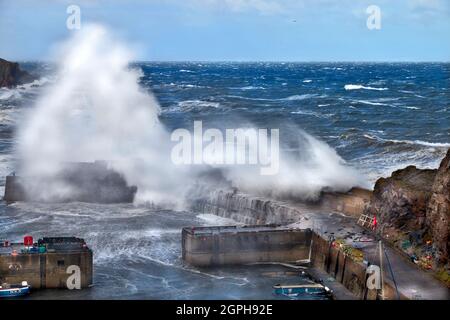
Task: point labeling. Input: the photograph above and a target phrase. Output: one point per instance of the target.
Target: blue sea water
(377, 116)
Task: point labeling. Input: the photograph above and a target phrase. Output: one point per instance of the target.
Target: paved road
(412, 282)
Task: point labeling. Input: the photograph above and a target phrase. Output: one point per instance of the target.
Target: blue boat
(294, 290)
(14, 290)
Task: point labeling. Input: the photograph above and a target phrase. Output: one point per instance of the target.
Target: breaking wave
(361, 87)
(409, 142)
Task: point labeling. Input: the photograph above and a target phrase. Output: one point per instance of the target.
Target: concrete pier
(213, 246)
(47, 264)
(231, 245)
(335, 218)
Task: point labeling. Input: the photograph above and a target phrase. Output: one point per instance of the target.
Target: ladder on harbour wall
(366, 221)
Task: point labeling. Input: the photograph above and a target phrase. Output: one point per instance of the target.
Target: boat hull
(14, 292)
(299, 290)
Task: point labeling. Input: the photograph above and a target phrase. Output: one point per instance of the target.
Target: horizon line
(260, 61)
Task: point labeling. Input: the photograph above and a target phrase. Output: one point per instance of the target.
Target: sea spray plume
(303, 174)
(96, 110)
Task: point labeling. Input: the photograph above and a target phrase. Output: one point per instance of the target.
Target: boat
(14, 290)
(293, 290)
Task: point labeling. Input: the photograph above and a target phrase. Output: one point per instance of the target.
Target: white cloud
(427, 4)
(261, 6)
(428, 10)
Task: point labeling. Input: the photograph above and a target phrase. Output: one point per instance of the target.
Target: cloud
(428, 9)
(427, 4)
(262, 6)
(268, 7)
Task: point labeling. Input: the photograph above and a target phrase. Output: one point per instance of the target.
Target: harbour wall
(14, 190)
(345, 269)
(46, 270)
(231, 245)
(254, 210)
(324, 255)
(92, 182)
(246, 209)
(352, 203)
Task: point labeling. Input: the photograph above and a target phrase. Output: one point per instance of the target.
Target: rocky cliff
(438, 211)
(400, 201)
(11, 74)
(412, 208)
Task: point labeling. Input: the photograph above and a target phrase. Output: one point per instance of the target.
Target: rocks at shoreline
(412, 207)
(438, 211)
(400, 201)
(11, 74)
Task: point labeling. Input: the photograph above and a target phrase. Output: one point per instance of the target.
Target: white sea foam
(311, 113)
(17, 92)
(214, 220)
(412, 142)
(35, 83)
(299, 97)
(361, 87)
(252, 88)
(190, 105)
(6, 94)
(373, 103)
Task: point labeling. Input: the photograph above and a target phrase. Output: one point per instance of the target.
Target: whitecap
(252, 88)
(359, 87)
(212, 219)
(373, 103)
(414, 142)
(35, 83)
(6, 94)
(192, 105)
(16, 93)
(299, 97)
(290, 98)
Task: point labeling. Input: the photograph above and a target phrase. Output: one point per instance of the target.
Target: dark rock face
(413, 205)
(401, 201)
(11, 74)
(438, 212)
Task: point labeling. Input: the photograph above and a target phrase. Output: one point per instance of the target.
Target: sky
(238, 30)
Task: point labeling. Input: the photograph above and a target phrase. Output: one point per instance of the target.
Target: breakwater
(253, 210)
(325, 253)
(231, 245)
(247, 209)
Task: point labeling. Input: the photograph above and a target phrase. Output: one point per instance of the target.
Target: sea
(378, 117)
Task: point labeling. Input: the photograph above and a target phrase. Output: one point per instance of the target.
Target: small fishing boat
(293, 290)
(14, 290)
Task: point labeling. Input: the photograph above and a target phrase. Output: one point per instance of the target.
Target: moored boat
(299, 289)
(14, 290)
